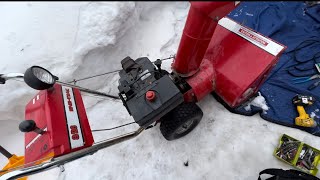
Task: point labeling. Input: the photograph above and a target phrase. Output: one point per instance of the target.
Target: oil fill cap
(151, 95)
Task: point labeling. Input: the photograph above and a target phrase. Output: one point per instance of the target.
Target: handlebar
(5, 77)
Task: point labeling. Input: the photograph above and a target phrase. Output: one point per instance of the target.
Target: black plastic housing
(136, 79)
(31, 80)
(27, 126)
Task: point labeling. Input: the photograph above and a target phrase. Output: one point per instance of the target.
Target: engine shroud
(139, 77)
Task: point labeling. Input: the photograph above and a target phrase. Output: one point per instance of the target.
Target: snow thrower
(216, 54)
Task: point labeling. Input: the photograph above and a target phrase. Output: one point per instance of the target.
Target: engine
(147, 91)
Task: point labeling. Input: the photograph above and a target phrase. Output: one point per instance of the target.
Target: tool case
(298, 154)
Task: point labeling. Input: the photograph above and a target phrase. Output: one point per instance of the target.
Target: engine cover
(60, 112)
(147, 93)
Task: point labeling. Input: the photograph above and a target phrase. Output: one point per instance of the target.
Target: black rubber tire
(175, 119)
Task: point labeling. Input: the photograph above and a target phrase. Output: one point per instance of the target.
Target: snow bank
(33, 33)
(101, 24)
(75, 40)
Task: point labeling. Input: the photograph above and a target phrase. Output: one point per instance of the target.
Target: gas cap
(151, 95)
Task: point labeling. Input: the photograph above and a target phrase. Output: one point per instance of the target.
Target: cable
(89, 77)
(95, 96)
(108, 129)
(94, 76)
(89, 90)
(170, 57)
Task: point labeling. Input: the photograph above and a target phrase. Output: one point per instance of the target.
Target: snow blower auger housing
(215, 54)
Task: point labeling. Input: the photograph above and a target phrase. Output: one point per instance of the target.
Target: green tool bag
(291, 174)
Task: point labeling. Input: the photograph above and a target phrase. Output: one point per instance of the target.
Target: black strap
(287, 174)
(303, 175)
(276, 172)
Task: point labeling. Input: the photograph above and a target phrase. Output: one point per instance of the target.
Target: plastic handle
(4, 152)
(302, 112)
(2, 80)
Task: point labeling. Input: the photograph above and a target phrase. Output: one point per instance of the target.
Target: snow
(248, 107)
(258, 101)
(77, 39)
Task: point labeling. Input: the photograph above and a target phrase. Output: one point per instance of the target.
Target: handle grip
(302, 112)
(4, 152)
(2, 80)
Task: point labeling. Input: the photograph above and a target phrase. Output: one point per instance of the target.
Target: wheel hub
(184, 127)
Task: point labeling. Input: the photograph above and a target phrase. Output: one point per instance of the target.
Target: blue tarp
(296, 26)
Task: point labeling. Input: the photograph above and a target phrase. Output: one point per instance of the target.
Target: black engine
(147, 91)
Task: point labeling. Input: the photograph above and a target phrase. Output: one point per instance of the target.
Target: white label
(305, 100)
(73, 121)
(145, 74)
(253, 37)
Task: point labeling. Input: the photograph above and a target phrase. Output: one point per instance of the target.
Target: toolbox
(298, 154)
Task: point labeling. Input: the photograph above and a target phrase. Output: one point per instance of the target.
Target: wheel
(180, 121)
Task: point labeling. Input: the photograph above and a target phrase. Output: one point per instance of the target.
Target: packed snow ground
(77, 39)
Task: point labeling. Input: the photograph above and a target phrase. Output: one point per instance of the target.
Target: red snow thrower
(216, 54)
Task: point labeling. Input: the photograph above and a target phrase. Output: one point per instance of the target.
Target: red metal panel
(241, 67)
(238, 66)
(201, 22)
(202, 83)
(35, 111)
(48, 112)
